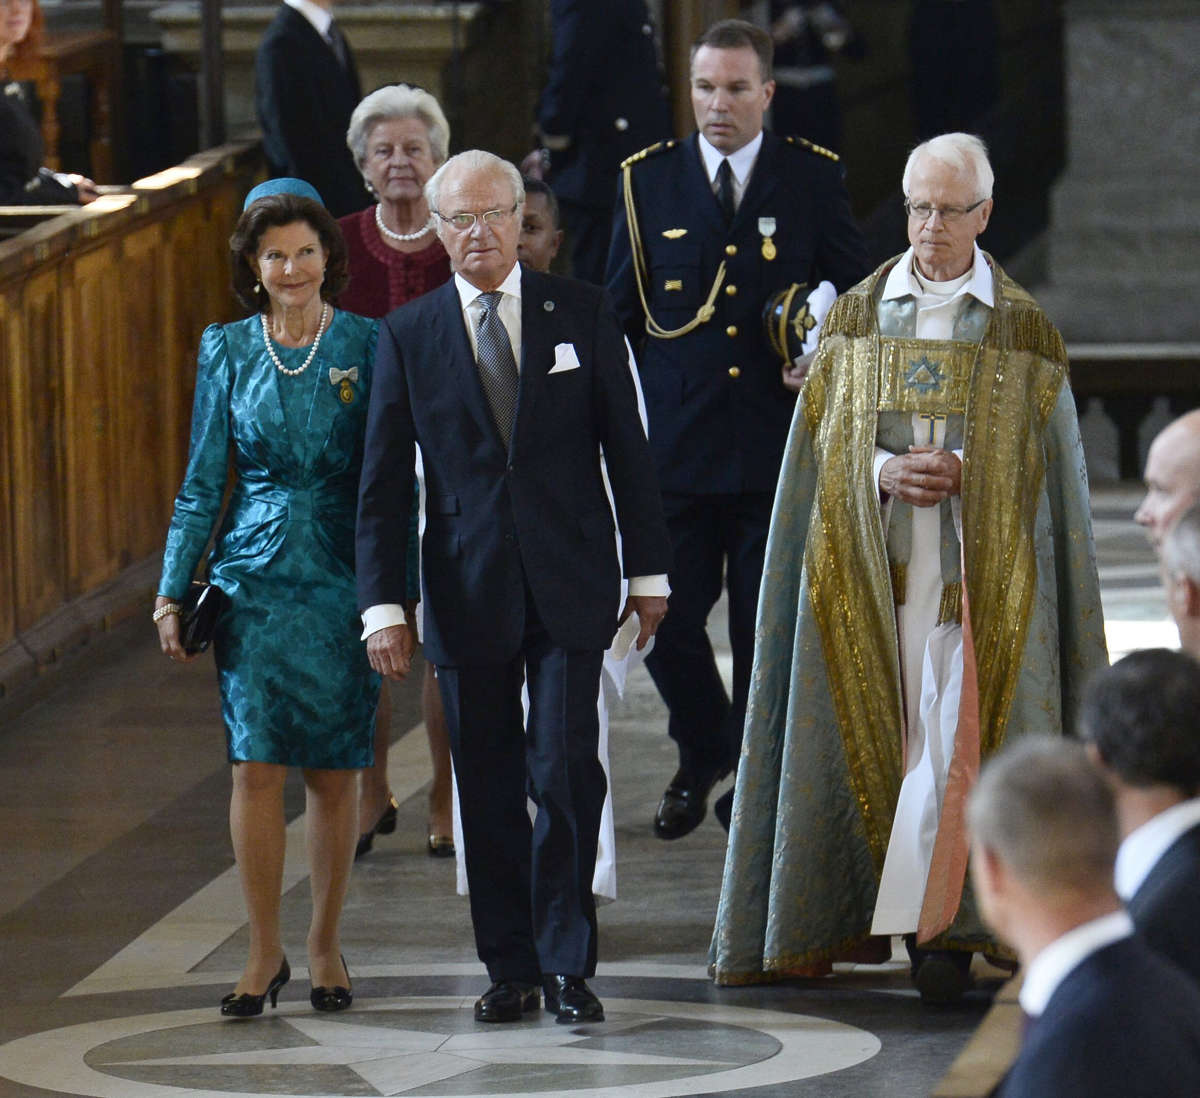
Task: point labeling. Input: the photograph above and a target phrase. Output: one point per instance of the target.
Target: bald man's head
(1172, 476)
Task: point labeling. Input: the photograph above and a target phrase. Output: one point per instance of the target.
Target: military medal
(766, 226)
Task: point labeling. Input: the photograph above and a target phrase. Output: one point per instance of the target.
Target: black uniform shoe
(942, 976)
(683, 805)
(506, 1001)
(571, 999)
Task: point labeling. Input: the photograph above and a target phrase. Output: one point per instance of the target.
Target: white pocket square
(565, 358)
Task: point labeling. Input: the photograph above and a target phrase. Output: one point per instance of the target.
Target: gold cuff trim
(899, 570)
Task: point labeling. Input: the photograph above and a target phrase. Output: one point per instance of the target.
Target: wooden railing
(101, 310)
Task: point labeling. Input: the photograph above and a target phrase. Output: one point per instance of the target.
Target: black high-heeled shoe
(247, 1005)
(332, 999)
(385, 825)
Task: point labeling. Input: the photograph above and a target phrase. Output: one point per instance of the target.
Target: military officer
(705, 231)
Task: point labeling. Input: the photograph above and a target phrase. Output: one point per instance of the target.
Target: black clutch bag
(201, 607)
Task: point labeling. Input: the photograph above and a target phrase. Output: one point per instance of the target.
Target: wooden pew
(101, 310)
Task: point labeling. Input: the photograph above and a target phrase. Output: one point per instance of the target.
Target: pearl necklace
(311, 354)
(404, 238)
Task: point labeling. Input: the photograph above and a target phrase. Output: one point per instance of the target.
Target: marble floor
(121, 921)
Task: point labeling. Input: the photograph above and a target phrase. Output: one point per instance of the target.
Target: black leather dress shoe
(571, 999)
(683, 805)
(942, 976)
(506, 1001)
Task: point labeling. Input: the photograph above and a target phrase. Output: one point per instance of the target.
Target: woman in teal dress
(284, 391)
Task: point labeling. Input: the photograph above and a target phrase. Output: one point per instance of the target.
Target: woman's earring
(257, 288)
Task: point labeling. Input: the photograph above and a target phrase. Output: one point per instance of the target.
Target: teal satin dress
(296, 687)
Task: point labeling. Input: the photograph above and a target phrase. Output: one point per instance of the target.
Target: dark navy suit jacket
(496, 520)
(1166, 909)
(607, 114)
(304, 100)
(719, 414)
(1124, 1024)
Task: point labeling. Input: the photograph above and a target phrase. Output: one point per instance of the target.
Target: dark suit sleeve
(385, 492)
(645, 543)
(619, 277)
(576, 65)
(841, 252)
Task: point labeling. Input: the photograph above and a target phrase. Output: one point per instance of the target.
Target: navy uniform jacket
(495, 521)
(1124, 1024)
(1166, 909)
(719, 414)
(608, 116)
(304, 100)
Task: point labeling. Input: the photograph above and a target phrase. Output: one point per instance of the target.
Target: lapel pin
(548, 306)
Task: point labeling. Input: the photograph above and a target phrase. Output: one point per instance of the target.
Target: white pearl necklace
(404, 238)
(311, 354)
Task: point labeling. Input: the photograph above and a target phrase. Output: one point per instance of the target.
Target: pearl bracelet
(164, 610)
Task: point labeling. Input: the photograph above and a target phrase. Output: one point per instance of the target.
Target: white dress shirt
(741, 164)
(315, 14)
(1062, 956)
(1144, 846)
(509, 310)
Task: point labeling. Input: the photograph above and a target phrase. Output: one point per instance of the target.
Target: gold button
(731, 331)
(735, 371)
(731, 290)
(731, 249)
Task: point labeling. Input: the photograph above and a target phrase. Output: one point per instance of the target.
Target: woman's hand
(85, 188)
(169, 637)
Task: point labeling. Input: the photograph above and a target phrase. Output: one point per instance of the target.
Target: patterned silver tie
(497, 366)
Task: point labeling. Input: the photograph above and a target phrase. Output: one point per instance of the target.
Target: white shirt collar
(1144, 846)
(741, 163)
(468, 293)
(1062, 956)
(314, 13)
(901, 282)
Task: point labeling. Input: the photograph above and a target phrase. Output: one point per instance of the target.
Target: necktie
(497, 366)
(725, 190)
(337, 43)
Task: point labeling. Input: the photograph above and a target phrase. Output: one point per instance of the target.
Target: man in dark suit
(1108, 1017)
(520, 576)
(590, 118)
(706, 230)
(1140, 719)
(305, 89)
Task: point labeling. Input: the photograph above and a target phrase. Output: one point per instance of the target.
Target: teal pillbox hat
(283, 185)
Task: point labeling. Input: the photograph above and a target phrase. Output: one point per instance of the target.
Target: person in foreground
(1181, 577)
(1107, 1017)
(23, 179)
(511, 381)
(930, 592)
(399, 137)
(1140, 720)
(285, 392)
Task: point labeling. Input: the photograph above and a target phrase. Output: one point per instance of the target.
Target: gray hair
(1047, 813)
(1181, 546)
(964, 152)
(474, 161)
(398, 101)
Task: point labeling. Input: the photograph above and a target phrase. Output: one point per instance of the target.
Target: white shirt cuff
(650, 585)
(882, 457)
(381, 616)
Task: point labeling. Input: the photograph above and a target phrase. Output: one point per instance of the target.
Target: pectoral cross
(934, 419)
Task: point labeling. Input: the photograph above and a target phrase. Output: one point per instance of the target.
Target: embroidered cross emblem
(924, 376)
(933, 419)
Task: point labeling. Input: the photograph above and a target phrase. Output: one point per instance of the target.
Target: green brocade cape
(822, 755)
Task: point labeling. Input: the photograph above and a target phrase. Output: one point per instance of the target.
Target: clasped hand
(924, 476)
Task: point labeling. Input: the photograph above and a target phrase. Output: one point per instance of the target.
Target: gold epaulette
(650, 150)
(813, 147)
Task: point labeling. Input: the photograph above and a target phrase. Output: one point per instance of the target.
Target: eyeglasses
(465, 222)
(923, 211)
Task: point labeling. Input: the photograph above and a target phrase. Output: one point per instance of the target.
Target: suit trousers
(714, 538)
(531, 883)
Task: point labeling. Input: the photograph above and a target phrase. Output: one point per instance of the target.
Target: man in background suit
(1141, 721)
(705, 231)
(305, 89)
(591, 116)
(1109, 1018)
(520, 575)
(1181, 577)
